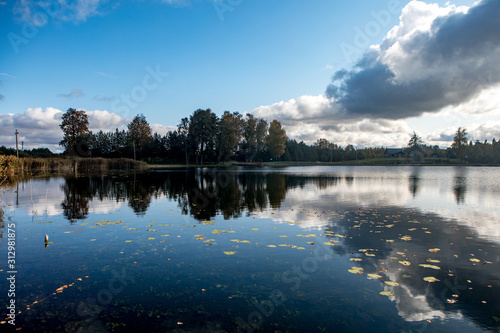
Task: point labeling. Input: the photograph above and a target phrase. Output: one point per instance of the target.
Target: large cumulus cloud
(435, 58)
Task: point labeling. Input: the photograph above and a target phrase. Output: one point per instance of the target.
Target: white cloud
(72, 93)
(40, 127)
(38, 12)
(309, 118)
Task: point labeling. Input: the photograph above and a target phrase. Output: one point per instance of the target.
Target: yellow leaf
(375, 276)
(386, 293)
(430, 279)
(393, 284)
(229, 253)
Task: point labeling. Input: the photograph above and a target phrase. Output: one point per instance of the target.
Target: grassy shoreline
(365, 162)
(13, 166)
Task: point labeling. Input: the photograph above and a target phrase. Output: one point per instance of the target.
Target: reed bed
(11, 165)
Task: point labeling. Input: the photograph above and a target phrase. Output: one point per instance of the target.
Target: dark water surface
(299, 249)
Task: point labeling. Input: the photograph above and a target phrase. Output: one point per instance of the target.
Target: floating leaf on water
(386, 293)
(311, 243)
(430, 279)
(389, 240)
(152, 230)
(356, 259)
(229, 253)
(128, 241)
(401, 253)
(207, 222)
(363, 250)
(389, 226)
(300, 248)
(79, 224)
(328, 243)
(375, 276)
(412, 229)
(245, 241)
(451, 300)
(284, 236)
(151, 238)
(406, 263)
(235, 240)
(132, 228)
(406, 238)
(208, 240)
(68, 232)
(356, 270)
(270, 245)
(430, 266)
(474, 260)
(164, 225)
(369, 254)
(434, 250)
(255, 229)
(432, 260)
(284, 245)
(93, 239)
(165, 235)
(390, 283)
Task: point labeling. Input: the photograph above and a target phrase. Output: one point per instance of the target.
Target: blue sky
(166, 59)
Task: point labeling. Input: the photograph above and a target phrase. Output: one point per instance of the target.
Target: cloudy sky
(366, 73)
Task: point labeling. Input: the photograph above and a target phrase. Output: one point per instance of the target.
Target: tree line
(204, 138)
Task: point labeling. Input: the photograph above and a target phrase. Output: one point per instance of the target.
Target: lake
(295, 249)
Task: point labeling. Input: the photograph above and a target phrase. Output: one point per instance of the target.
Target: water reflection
(382, 216)
(413, 181)
(460, 185)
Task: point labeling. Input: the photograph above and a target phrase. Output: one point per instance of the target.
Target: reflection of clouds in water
(480, 212)
(44, 197)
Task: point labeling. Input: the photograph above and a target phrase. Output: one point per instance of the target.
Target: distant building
(394, 152)
(415, 153)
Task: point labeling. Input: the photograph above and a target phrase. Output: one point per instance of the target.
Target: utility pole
(17, 146)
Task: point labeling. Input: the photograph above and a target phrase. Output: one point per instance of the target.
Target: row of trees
(203, 138)
(484, 152)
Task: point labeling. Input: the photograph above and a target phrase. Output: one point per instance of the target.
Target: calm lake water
(298, 249)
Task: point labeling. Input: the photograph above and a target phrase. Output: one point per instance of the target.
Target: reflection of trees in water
(460, 184)
(414, 180)
(200, 193)
(459, 189)
(77, 194)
